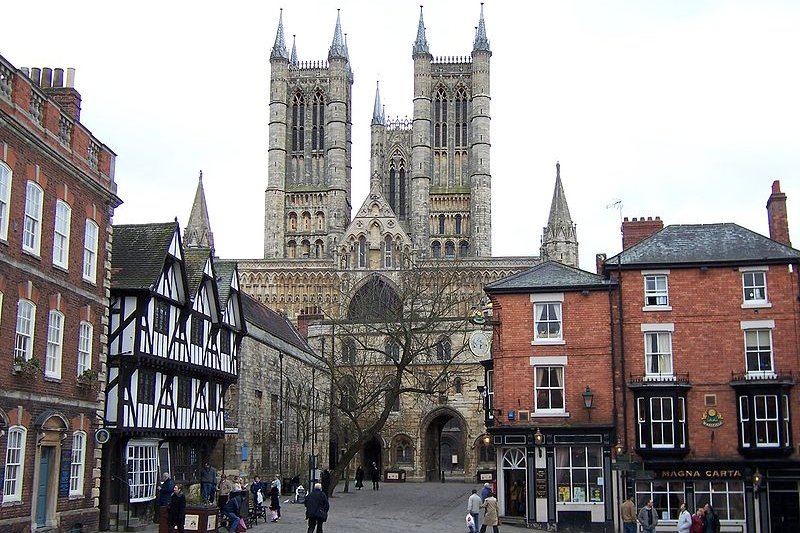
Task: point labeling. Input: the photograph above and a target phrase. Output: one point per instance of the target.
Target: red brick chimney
(599, 262)
(305, 320)
(59, 88)
(776, 212)
(636, 230)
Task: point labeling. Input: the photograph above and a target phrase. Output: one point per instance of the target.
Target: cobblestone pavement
(395, 508)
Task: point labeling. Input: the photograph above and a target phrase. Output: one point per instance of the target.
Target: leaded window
(146, 387)
(161, 316)
(142, 461)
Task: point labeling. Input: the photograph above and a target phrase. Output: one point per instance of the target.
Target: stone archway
(444, 445)
(373, 453)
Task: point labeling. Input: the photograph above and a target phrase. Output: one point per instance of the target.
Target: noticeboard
(64, 472)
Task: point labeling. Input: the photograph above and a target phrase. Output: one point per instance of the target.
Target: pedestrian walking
(490, 513)
(485, 491)
(474, 508)
(317, 508)
(375, 474)
(710, 519)
(275, 502)
(326, 481)
(684, 520)
(648, 517)
(628, 515)
(359, 477)
(697, 521)
(277, 479)
(177, 509)
(208, 482)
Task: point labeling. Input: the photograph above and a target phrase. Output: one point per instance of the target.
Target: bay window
(142, 460)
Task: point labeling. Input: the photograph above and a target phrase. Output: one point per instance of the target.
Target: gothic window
(392, 186)
(461, 118)
(306, 221)
(449, 249)
(291, 249)
(320, 221)
(441, 224)
(298, 122)
(402, 200)
(436, 249)
(317, 122)
(458, 385)
(458, 225)
(292, 222)
(440, 119)
(392, 351)
(443, 350)
(388, 252)
(348, 394)
(376, 300)
(348, 351)
(319, 248)
(403, 451)
(463, 249)
(362, 252)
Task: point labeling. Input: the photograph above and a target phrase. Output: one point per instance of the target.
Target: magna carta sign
(699, 473)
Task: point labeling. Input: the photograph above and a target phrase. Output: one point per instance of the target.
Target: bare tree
(402, 333)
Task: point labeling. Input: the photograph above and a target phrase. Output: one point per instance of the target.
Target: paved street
(395, 508)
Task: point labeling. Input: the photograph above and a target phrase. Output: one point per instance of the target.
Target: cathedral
(429, 205)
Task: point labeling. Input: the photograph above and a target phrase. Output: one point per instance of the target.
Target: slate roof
(195, 261)
(224, 271)
(138, 254)
(704, 244)
(270, 321)
(549, 276)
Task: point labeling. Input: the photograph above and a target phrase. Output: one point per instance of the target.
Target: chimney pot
(58, 77)
(70, 77)
(47, 78)
(36, 74)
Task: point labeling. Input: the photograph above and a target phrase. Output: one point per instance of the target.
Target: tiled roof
(549, 276)
(195, 261)
(270, 321)
(699, 244)
(138, 254)
(225, 271)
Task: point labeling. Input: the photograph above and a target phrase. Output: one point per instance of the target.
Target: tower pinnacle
(293, 59)
(421, 43)
(198, 229)
(481, 41)
(377, 112)
(338, 47)
(559, 240)
(279, 48)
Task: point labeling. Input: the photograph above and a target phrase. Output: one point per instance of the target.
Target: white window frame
(717, 491)
(597, 471)
(85, 336)
(771, 424)
(55, 344)
(490, 393)
(549, 389)
(61, 230)
(15, 464)
(78, 464)
(32, 225)
(26, 327)
(758, 352)
(674, 492)
(141, 456)
(754, 290)
(656, 296)
(553, 305)
(661, 423)
(91, 238)
(663, 350)
(6, 177)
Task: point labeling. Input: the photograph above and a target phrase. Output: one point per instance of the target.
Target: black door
(784, 507)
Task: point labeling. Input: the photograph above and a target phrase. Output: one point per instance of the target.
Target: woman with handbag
(490, 514)
(317, 508)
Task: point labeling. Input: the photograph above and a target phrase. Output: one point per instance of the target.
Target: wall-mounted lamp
(538, 438)
(588, 397)
(618, 448)
(758, 479)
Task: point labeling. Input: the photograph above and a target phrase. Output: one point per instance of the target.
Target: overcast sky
(684, 109)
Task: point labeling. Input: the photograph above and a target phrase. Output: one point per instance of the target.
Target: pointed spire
(338, 48)
(421, 44)
(377, 112)
(279, 48)
(293, 59)
(481, 41)
(198, 229)
(559, 211)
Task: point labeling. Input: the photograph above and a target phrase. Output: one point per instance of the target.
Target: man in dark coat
(177, 509)
(317, 508)
(326, 481)
(232, 509)
(375, 474)
(359, 477)
(165, 492)
(208, 482)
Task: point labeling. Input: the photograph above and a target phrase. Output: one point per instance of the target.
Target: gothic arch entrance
(373, 453)
(444, 447)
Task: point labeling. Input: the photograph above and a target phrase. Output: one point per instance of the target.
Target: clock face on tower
(479, 343)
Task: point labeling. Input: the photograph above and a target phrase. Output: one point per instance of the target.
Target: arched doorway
(444, 446)
(514, 485)
(373, 453)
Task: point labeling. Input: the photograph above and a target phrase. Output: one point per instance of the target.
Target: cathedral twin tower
(433, 171)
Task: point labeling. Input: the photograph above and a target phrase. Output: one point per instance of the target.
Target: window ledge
(32, 253)
(548, 342)
(52, 379)
(540, 414)
(756, 305)
(657, 308)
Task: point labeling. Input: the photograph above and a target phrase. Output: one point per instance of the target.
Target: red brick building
(57, 196)
(706, 318)
(552, 414)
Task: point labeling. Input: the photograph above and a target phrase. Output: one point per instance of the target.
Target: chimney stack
(58, 87)
(778, 218)
(599, 262)
(636, 230)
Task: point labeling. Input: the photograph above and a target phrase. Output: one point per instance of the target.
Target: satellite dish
(101, 436)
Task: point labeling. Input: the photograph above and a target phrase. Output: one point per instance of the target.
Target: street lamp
(588, 397)
(538, 440)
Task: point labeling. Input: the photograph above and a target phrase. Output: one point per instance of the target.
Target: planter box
(198, 519)
(394, 476)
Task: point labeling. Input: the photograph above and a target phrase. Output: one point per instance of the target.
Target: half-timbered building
(174, 333)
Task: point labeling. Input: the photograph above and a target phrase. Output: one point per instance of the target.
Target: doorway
(373, 453)
(784, 507)
(444, 447)
(43, 487)
(514, 487)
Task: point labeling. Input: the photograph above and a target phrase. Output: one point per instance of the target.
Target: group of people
(374, 474)
(704, 519)
(486, 502)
